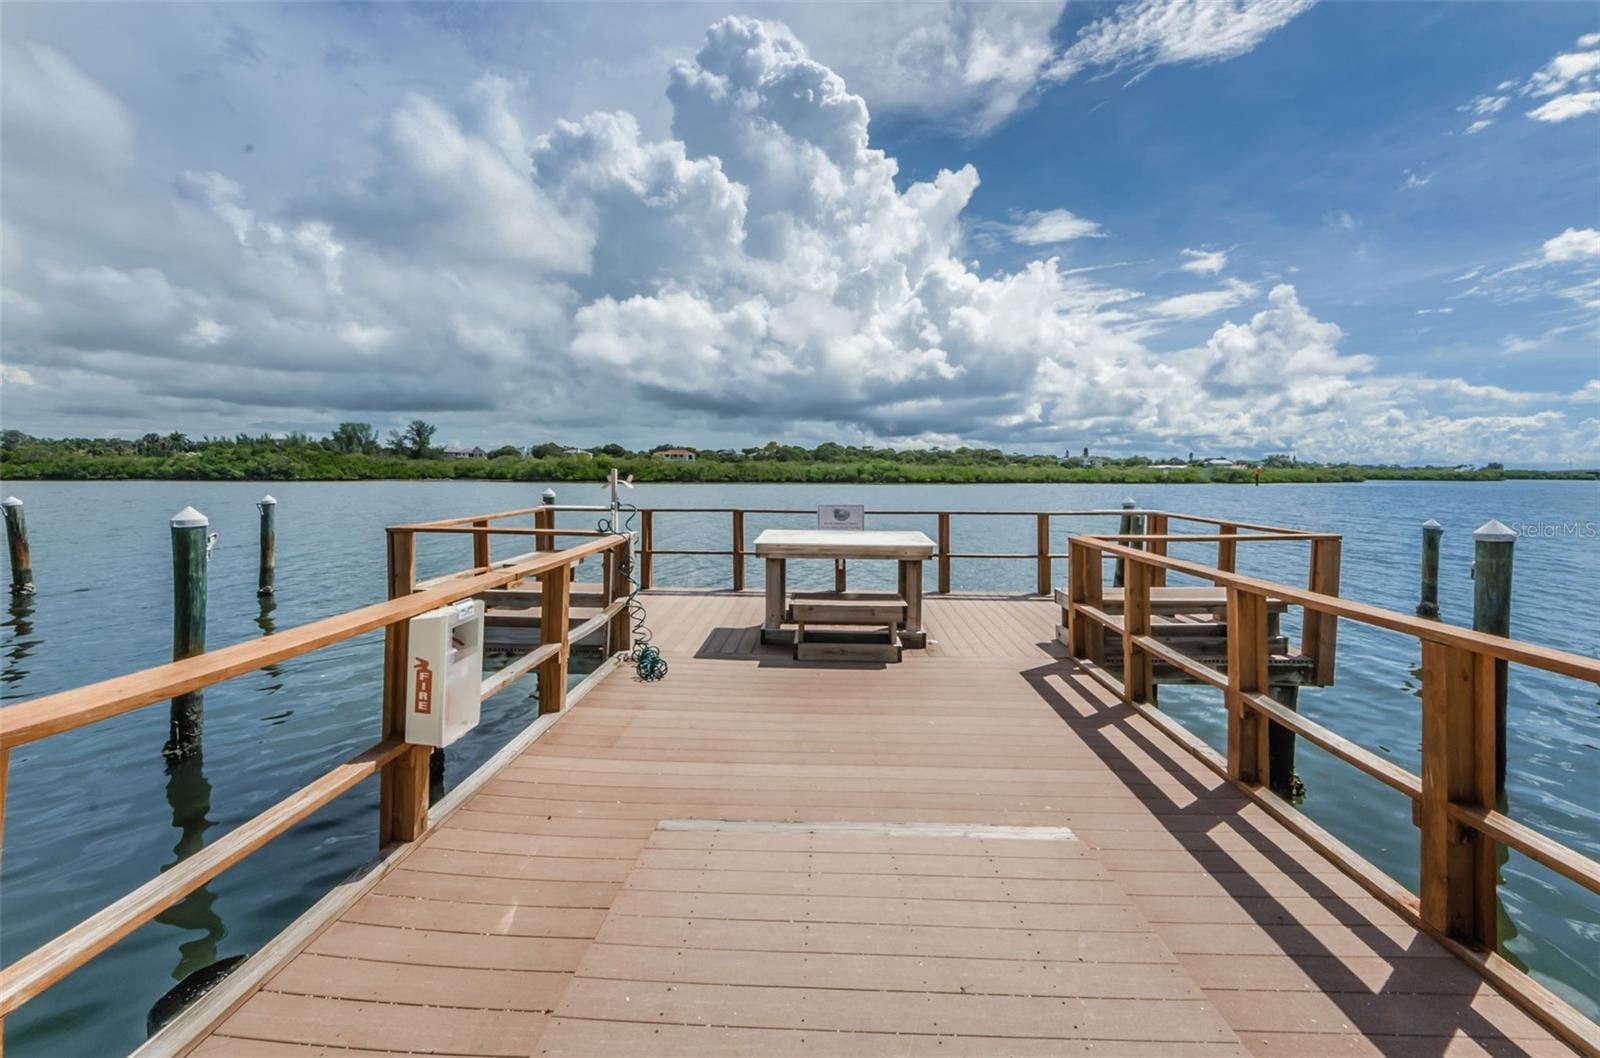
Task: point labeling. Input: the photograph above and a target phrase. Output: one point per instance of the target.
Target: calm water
(92, 814)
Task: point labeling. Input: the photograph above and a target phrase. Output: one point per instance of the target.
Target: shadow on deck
(590, 898)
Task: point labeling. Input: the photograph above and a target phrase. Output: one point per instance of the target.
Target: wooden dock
(994, 847)
(560, 912)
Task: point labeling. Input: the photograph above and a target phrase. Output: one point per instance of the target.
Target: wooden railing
(402, 767)
(1455, 800)
(1158, 523)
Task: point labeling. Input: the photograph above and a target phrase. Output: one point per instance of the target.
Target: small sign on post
(841, 516)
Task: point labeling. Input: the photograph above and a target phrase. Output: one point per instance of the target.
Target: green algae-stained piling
(1432, 531)
(188, 626)
(269, 544)
(1493, 547)
(1281, 778)
(17, 545)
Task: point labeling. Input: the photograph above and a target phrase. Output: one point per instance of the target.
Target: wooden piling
(269, 544)
(545, 518)
(1432, 531)
(188, 626)
(1281, 778)
(1124, 527)
(738, 551)
(1493, 544)
(17, 545)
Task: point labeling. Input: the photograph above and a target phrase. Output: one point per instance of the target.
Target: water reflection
(189, 798)
(19, 630)
(268, 626)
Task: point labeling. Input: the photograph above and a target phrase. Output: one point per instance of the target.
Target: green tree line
(353, 452)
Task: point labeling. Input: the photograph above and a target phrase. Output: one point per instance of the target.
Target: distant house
(1219, 462)
(457, 452)
(583, 453)
(674, 455)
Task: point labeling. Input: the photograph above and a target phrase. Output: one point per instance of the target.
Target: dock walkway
(1104, 894)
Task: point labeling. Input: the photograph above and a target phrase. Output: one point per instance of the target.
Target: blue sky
(1360, 231)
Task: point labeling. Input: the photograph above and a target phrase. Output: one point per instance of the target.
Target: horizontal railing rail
(1158, 522)
(401, 766)
(1455, 798)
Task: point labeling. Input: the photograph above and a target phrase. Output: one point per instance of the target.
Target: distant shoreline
(320, 465)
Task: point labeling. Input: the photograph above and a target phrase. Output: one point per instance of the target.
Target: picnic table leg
(775, 598)
(911, 591)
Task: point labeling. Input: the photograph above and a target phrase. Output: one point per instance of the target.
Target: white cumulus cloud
(760, 269)
(1574, 244)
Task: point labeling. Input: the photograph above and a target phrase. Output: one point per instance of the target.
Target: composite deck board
(552, 915)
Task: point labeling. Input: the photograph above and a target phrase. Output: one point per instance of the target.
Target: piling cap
(11, 501)
(189, 518)
(267, 499)
(549, 496)
(1129, 503)
(1432, 524)
(1494, 532)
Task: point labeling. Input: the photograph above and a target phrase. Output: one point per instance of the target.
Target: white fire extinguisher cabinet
(445, 678)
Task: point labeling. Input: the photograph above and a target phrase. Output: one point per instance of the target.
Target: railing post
(619, 632)
(1156, 525)
(1459, 748)
(1247, 674)
(647, 543)
(1042, 562)
(1124, 527)
(480, 544)
(1137, 682)
(403, 783)
(1320, 631)
(944, 552)
(1085, 586)
(544, 518)
(554, 627)
(1227, 550)
(738, 551)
